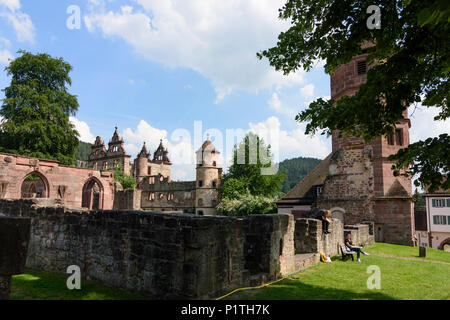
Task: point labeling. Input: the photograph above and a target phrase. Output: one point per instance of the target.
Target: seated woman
(349, 244)
(325, 216)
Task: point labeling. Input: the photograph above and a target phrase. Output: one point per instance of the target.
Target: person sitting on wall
(325, 216)
(349, 244)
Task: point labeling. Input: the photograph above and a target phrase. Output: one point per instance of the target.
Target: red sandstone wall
(62, 182)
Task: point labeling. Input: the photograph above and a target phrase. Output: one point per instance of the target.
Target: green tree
(250, 157)
(246, 204)
(36, 109)
(126, 180)
(410, 64)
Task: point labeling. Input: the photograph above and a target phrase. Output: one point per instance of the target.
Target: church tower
(208, 179)
(361, 185)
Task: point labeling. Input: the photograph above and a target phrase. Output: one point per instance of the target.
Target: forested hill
(83, 151)
(296, 169)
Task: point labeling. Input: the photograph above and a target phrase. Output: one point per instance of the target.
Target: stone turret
(208, 179)
(141, 164)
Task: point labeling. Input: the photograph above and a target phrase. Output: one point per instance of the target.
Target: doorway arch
(34, 185)
(444, 244)
(338, 213)
(93, 193)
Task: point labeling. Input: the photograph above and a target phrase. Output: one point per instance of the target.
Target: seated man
(349, 244)
(325, 216)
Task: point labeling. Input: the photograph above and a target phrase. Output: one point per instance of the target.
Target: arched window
(35, 185)
(92, 195)
(200, 202)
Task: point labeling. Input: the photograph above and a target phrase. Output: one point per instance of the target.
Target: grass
(38, 285)
(400, 278)
(409, 252)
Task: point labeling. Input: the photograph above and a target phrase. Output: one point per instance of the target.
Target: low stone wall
(127, 200)
(166, 256)
(309, 237)
(362, 234)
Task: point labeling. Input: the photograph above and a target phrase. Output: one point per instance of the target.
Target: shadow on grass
(37, 285)
(297, 290)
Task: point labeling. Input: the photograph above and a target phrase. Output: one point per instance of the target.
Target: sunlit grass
(400, 279)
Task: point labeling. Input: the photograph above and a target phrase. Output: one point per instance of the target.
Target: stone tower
(116, 154)
(208, 179)
(141, 164)
(361, 185)
(161, 163)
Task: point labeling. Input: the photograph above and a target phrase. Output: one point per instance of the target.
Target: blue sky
(155, 67)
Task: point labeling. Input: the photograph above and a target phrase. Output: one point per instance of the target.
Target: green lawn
(409, 252)
(400, 278)
(37, 285)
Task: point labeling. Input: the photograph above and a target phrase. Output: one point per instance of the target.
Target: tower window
(200, 202)
(200, 213)
(362, 68)
(214, 184)
(215, 164)
(399, 137)
(149, 171)
(390, 139)
(200, 183)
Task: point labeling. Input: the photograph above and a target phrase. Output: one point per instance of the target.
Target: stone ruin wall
(349, 185)
(174, 256)
(309, 237)
(61, 182)
(166, 256)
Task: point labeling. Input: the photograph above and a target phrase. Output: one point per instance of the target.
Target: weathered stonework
(68, 184)
(309, 237)
(14, 237)
(166, 256)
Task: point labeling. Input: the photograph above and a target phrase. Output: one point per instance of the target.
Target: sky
(177, 70)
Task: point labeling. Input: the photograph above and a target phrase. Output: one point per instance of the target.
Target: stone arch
(93, 194)
(443, 243)
(338, 213)
(30, 188)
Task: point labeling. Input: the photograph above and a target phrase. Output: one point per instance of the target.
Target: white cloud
(276, 105)
(219, 39)
(5, 56)
(290, 144)
(307, 91)
(423, 125)
(20, 21)
(83, 129)
(12, 5)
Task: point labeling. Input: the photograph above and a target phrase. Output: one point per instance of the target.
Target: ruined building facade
(356, 181)
(155, 190)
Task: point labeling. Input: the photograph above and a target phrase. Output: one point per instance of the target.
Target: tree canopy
(249, 158)
(409, 63)
(36, 109)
